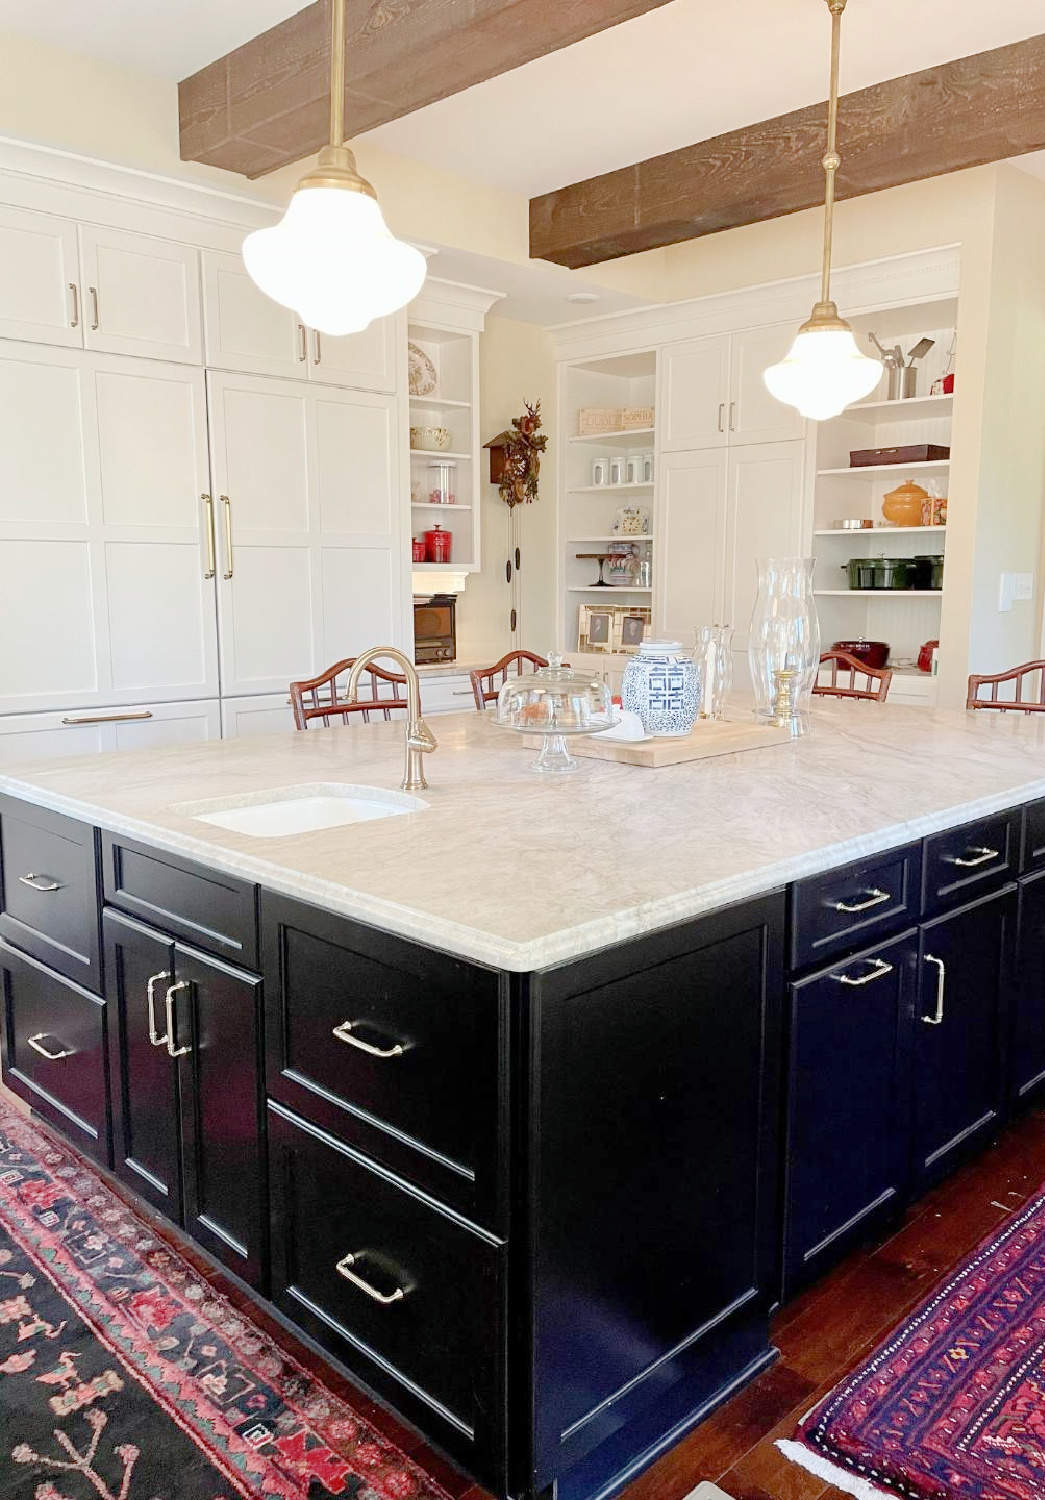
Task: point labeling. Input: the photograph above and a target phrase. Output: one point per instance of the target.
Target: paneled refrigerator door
(764, 513)
(690, 530)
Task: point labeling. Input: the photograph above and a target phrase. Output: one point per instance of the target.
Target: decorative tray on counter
(708, 737)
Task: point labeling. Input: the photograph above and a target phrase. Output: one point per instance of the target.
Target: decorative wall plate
(421, 377)
(631, 520)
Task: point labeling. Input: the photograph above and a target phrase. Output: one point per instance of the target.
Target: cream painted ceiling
(691, 69)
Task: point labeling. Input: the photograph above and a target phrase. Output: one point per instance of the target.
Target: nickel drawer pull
(227, 508)
(174, 1051)
(74, 321)
(107, 718)
(37, 1044)
(212, 556)
(318, 360)
(94, 302)
(721, 416)
(875, 897)
(981, 856)
(344, 1034)
(303, 354)
(344, 1268)
(39, 883)
(878, 970)
(154, 1035)
(941, 985)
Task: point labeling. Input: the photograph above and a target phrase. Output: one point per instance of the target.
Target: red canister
(437, 545)
(418, 552)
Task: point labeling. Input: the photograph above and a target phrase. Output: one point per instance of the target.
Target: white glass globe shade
(334, 261)
(823, 373)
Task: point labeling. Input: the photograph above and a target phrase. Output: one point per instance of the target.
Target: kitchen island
(528, 1106)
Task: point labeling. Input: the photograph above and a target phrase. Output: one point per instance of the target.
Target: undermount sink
(301, 809)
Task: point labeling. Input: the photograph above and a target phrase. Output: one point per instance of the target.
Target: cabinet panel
(690, 528)
(141, 295)
(44, 451)
(765, 520)
(962, 862)
(146, 1105)
(755, 416)
(52, 584)
(694, 395)
(39, 278)
(960, 1030)
(88, 730)
(53, 1046)
(1033, 855)
(1028, 1029)
(848, 1104)
(366, 359)
(265, 714)
(216, 1016)
(49, 889)
(851, 906)
(245, 330)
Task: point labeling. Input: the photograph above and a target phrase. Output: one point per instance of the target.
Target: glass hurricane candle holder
(785, 634)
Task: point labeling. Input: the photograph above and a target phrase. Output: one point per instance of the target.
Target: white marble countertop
(522, 872)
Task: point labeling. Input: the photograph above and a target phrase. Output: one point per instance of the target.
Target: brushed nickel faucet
(420, 740)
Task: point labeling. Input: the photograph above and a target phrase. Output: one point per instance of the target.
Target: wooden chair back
(488, 681)
(323, 697)
(1027, 697)
(858, 679)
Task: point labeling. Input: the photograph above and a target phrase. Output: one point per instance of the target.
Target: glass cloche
(555, 701)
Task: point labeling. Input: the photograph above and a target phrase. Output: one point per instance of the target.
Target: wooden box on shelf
(593, 420)
(636, 418)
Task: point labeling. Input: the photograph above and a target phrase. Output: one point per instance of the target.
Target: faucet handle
(420, 737)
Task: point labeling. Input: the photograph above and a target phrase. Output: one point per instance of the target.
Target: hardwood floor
(821, 1335)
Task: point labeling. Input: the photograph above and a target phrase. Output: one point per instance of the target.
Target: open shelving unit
(454, 404)
(906, 618)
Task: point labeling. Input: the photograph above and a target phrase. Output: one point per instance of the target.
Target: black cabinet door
(848, 1108)
(146, 1109)
(1027, 1072)
(216, 1034)
(960, 1031)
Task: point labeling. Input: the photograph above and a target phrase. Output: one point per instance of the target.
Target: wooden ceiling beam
(960, 114)
(265, 104)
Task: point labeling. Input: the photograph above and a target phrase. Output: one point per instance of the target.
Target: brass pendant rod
(337, 72)
(831, 161)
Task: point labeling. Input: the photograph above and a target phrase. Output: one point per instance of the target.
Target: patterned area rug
(125, 1376)
(952, 1404)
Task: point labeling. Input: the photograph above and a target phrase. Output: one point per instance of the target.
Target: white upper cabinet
(39, 278)
(693, 404)
(690, 526)
(712, 392)
(754, 416)
(140, 295)
(247, 331)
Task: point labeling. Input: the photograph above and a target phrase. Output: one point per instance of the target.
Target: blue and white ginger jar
(662, 685)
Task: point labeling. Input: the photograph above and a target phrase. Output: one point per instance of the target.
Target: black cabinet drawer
(850, 907)
(50, 890)
(394, 1048)
(1033, 854)
(399, 1290)
(962, 862)
(848, 1104)
(54, 1050)
(215, 912)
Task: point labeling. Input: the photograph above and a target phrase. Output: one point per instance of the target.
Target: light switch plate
(1013, 587)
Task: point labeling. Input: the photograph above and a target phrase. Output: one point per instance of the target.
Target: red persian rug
(952, 1404)
(124, 1375)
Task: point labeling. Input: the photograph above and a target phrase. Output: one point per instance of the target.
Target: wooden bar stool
(1018, 703)
(875, 680)
(488, 681)
(326, 701)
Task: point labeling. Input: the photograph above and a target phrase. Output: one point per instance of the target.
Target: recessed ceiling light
(583, 297)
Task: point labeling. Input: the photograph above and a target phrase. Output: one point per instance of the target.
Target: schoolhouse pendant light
(824, 371)
(331, 257)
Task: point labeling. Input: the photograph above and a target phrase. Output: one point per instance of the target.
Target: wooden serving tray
(708, 737)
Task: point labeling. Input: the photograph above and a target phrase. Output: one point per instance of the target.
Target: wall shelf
(916, 408)
(607, 439)
(891, 594)
(609, 536)
(608, 489)
(431, 453)
(887, 471)
(609, 588)
(882, 531)
(439, 401)
(428, 505)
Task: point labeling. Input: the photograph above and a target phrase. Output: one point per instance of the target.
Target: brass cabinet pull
(74, 321)
(37, 1044)
(875, 897)
(146, 713)
(878, 970)
(941, 985)
(94, 303)
(303, 347)
(344, 1268)
(344, 1034)
(981, 856)
(721, 416)
(318, 359)
(39, 883)
(154, 1035)
(227, 507)
(732, 416)
(212, 555)
(174, 1051)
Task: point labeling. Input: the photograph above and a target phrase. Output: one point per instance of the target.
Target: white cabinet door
(39, 279)
(267, 714)
(245, 330)
(754, 415)
(140, 295)
(690, 538)
(365, 360)
(764, 519)
(86, 731)
(693, 403)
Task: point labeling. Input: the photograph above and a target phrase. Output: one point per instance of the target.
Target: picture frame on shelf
(596, 628)
(632, 625)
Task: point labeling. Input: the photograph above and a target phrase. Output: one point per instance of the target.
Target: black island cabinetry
(545, 1216)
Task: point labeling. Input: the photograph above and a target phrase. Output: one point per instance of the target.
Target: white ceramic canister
(662, 685)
